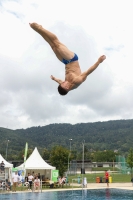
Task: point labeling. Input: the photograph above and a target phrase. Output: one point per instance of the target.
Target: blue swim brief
(75, 58)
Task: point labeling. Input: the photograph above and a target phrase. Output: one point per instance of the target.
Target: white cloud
(90, 28)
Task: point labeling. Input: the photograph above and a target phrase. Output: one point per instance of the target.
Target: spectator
(30, 180)
(8, 185)
(37, 183)
(15, 180)
(39, 176)
(64, 179)
(107, 178)
(60, 181)
(85, 182)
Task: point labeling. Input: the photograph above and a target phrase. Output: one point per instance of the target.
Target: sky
(90, 28)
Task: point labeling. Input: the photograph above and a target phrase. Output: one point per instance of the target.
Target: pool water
(102, 194)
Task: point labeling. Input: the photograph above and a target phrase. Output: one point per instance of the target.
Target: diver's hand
(101, 59)
(52, 77)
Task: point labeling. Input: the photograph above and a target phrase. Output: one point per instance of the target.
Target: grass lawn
(91, 178)
(104, 168)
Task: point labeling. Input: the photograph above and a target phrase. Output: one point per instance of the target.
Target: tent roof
(7, 164)
(35, 161)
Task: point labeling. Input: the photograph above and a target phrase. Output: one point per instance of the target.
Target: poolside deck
(124, 186)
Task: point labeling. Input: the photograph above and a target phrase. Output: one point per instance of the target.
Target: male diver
(73, 75)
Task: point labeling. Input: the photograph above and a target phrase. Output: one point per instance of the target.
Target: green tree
(104, 156)
(73, 155)
(59, 158)
(87, 154)
(130, 160)
(46, 154)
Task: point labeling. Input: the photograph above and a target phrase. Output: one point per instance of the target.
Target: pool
(95, 194)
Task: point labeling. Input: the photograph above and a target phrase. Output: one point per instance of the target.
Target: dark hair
(61, 90)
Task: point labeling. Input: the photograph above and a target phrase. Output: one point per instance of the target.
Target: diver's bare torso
(72, 73)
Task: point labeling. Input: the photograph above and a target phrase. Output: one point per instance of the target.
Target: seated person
(37, 183)
(63, 180)
(60, 181)
(8, 184)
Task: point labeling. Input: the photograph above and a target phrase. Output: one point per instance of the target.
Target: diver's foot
(35, 26)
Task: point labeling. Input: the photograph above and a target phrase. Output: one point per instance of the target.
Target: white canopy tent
(36, 163)
(8, 167)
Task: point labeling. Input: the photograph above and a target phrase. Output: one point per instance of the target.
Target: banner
(55, 174)
(21, 176)
(25, 153)
(25, 156)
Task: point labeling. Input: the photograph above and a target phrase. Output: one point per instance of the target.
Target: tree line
(58, 157)
(99, 136)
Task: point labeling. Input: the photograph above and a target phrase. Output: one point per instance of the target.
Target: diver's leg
(59, 49)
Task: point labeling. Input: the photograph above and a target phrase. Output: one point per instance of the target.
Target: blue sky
(89, 28)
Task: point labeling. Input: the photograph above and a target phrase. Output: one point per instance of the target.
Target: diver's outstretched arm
(93, 67)
(56, 80)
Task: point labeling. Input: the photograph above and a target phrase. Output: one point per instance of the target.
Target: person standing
(107, 177)
(30, 179)
(85, 182)
(15, 180)
(39, 176)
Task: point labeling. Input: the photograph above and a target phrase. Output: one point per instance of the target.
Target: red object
(106, 175)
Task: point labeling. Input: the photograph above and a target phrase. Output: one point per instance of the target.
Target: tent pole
(41, 185)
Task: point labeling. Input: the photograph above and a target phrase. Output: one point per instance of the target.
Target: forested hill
(112, 135)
